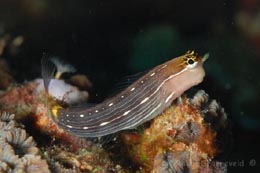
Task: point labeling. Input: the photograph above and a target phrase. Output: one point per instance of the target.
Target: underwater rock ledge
(187, 137)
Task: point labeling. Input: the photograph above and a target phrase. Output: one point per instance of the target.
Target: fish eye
(190, 61)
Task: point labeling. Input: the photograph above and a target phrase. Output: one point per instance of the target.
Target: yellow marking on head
(190, 58)
(55, 110)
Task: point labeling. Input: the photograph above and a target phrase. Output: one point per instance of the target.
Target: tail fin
(48, 70)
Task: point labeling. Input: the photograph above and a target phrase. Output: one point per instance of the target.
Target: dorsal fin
(124, 82)
(47, 70)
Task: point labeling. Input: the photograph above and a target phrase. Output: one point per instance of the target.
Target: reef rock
(187, 137)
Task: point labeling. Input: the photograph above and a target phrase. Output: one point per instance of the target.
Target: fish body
(143, 100)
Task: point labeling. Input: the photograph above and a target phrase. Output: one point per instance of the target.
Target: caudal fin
(47, 70)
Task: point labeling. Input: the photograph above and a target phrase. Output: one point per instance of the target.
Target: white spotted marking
(96, 111)
(162, 68)
(68, 121)
(142, 81)
(154, 110)
(146, 116)
(67, 115)
(144, 100)
(122, 96)
(104, 123)
(132, 89)
(127, 112)
(81, 115)
(111, 104)
(169, 97)
(152, 74)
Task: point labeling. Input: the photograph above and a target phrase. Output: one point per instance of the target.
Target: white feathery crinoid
(62, 67)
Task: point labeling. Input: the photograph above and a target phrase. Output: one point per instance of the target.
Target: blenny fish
(141, 101)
